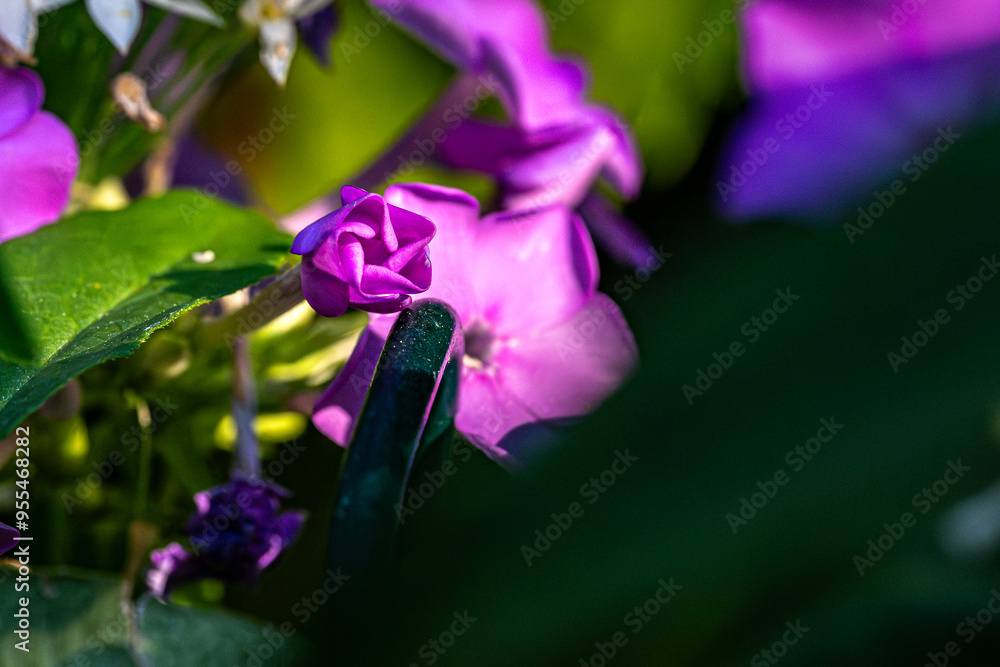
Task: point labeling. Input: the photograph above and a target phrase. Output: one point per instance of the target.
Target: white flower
(275, 19)
(117, 19)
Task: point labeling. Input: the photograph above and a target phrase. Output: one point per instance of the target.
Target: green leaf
(76, 618)
(69, 613)
(172, 635)
(95, 286)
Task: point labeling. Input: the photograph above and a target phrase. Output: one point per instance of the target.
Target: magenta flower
(38, 156)
(844, 94)
(8, 537)
(541, 344)
(556, 144)
(368, 254)
(237, 532)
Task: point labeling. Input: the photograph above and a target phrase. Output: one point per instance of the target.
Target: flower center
(480, 344)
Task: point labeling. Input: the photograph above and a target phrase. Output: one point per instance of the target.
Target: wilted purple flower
(8, 537)
(843, 94)
(237, 532)
(38, 156)
(368, 254)
(541, 344)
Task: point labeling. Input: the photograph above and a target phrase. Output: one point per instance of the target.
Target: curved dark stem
(408, 412)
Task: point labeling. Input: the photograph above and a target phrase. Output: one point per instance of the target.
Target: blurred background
(774, 547)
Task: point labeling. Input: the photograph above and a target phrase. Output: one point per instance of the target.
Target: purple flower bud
(236, 533)
(368, 254)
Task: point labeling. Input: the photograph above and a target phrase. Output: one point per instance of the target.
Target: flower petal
(117, 19)
(455, 214)
(568, 370)
(309, 238)
(277, 46)
(317, 30)
(21, 95)
(532, 270)
(18, 26)
(790, 42)
(615, 234)
(326, 293)
(191, 8)
(507, 39)
(496, 421)
(38, 163)
(338, 408)
(827, 163)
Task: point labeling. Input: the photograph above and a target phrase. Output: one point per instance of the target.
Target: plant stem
(247, 456)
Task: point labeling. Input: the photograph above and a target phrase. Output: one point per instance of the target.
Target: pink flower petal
(568, 370)
(532, 270)
(456, 216)
(338, 408)
(38, 163)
